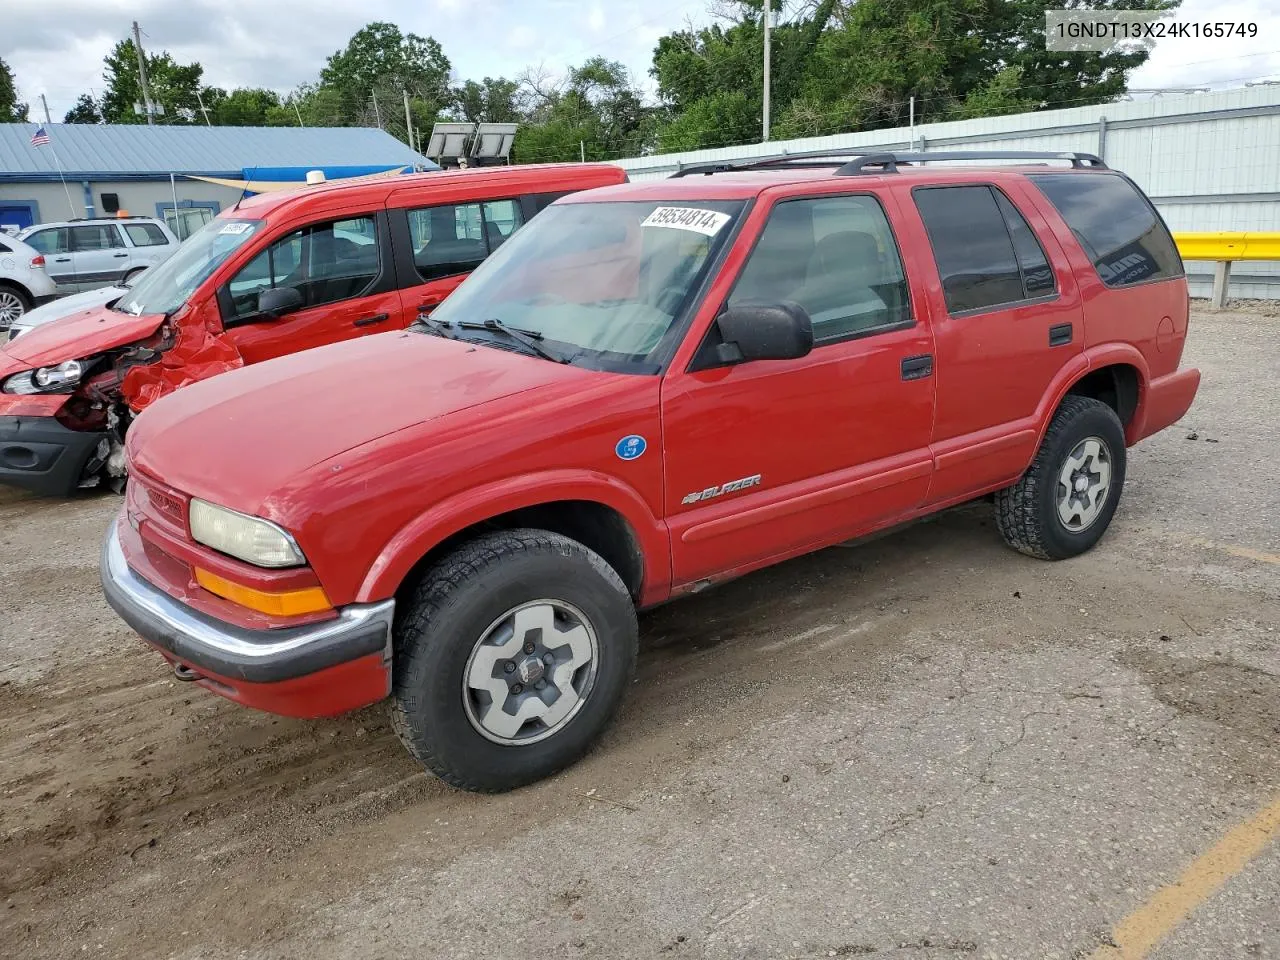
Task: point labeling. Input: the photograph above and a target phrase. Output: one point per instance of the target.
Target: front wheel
(511, 658)
(1064, 503)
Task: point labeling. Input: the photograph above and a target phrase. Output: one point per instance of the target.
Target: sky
(56, 47)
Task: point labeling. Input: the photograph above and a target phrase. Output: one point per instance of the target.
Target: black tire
(453, 605)
(1027, 512)
(132, 275)
(24, 303)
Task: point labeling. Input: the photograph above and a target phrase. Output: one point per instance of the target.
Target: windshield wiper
(434, 326)
(528, 338)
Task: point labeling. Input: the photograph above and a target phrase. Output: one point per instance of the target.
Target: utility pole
(299, 113)
(768, 15)
(203, 108)
(408, 120)
(45, 104)
(377, 114)
(142, 75)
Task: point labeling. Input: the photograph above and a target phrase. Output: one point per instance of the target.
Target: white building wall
(1209, 161)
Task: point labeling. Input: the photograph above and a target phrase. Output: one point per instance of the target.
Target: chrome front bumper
(256, 656)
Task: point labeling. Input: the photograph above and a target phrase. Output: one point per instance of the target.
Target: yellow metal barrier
(1225, 249)
(1228, 246)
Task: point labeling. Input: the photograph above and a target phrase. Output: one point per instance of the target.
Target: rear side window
(49, 241)
(145, 234)
(1037, 275)
(455, 238)
(1116, 225)
(100, 237)
(972, 247)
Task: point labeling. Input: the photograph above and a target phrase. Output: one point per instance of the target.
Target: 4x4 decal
(733, 486)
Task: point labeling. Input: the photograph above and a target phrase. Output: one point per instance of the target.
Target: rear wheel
(511, 658)
(1064, 503)
(133, 275)
(13, 304)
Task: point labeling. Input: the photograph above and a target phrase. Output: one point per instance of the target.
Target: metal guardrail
(1224, 249)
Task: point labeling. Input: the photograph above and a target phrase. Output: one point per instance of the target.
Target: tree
(11, 110)
(173, 86)
(86, 110)
(493, 101)
(377, 67)
(245, 107)
(594, 110)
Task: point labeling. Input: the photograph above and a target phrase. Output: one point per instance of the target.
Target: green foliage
(596, 111)
(173, 85)
(493, 101)
(245, 107)
(11, 110)
(86, 110)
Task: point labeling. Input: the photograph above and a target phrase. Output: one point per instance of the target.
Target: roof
(542, 177)
(131, 151)
(744, 184)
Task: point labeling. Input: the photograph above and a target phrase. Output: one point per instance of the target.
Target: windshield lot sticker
(629, 448)
(235, 229)
(707, 222)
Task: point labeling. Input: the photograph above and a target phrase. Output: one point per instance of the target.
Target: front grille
(167, 506)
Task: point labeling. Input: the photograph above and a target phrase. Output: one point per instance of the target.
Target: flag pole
(61, 176)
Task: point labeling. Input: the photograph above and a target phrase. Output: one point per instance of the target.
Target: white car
(23, 281)
(65, 306)
(86, 254)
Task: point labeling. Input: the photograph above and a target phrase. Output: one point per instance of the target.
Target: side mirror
(767, 331)
(277, 301)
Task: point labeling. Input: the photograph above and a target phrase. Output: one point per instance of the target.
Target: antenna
(244, 193)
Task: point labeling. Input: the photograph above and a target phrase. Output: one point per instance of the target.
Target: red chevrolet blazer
(273, 275)
(653, 388)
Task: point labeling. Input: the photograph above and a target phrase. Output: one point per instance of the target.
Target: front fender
(478, 504)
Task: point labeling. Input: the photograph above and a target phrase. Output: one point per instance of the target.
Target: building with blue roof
(181, 174)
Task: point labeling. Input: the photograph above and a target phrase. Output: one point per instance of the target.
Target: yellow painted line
(1136, 935)
(1244, 553)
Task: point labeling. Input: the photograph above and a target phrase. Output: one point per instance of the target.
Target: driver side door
(767, 459)
(342, 270)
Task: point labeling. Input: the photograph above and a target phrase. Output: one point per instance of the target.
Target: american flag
(39, 138)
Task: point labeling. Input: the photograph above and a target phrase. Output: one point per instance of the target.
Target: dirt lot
(925, 746)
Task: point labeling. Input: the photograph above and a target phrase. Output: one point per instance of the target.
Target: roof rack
(875, 163)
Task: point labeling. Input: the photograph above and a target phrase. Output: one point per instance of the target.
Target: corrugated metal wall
(1210, 161)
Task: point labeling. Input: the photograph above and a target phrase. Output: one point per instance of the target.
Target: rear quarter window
(1116, 225)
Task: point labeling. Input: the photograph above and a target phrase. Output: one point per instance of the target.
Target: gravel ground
(923, 746)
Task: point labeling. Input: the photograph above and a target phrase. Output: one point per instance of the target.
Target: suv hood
(239, 436)
(81, 335)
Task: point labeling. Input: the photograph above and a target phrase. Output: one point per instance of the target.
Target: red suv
(653, 388)
(273, 275)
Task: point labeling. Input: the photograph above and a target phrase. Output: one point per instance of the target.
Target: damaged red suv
(651, 389)
(274, 275)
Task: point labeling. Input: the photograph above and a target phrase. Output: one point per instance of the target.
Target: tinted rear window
(971, 246)
(1116, 225)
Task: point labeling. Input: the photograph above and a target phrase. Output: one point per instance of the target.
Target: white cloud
(56, 47)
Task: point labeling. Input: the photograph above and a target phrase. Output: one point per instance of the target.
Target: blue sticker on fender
(629, 448)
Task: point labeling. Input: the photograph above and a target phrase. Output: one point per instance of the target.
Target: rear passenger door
(766, 458)
(342, 271)
(55, 244)
(1007, 319)
(439, 245)
(98, 254)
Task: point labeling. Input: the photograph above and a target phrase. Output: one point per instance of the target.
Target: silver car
(65, 307)
(86, 254)
(23, 281)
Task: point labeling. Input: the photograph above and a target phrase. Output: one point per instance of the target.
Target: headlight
(47, 379)
(251, 539)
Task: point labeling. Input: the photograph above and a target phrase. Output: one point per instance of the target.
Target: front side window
(98, 237)
(1116, 225)
(324, 262)
(834, 256)
(971, 246)
(49, 241)
(145, 235)
(601, 284)
(164, 288)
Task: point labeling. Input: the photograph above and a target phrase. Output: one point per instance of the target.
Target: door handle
(61, 259)
(119, 254)
(917, 368)
(426, 306)
(370, 321)
(1060, 334)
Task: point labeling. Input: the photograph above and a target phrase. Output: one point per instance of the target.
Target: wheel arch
(598, 511)
(1116, 374)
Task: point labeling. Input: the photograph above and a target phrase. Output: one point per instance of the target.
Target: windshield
(601, 283)
(164, 288)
